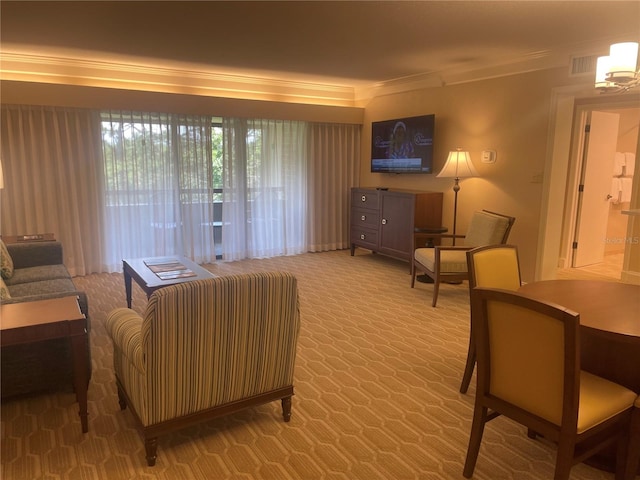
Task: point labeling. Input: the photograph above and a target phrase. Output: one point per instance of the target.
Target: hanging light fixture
(619, 71)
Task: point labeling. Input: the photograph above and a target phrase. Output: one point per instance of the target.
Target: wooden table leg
(81, 376)
(127, 284)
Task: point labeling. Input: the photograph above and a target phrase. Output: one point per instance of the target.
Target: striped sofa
(204, 349)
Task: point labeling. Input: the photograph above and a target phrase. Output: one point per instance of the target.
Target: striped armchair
(204, 349)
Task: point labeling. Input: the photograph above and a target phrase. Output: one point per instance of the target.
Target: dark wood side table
(139, 271)
(29, 322)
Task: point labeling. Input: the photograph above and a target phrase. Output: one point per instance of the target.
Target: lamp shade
(602, 69)
(624, 59)
(458, 165)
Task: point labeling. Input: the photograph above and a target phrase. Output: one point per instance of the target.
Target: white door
(594, 199)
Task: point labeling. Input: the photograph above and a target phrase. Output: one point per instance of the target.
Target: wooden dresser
(383, 221)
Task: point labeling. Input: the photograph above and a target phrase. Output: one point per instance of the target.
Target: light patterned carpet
(377, 377)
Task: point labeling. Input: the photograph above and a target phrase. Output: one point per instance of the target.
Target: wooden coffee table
(139, 269)
(29, 322)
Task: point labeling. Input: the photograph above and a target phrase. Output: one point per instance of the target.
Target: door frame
(579, 175)
(560, 165)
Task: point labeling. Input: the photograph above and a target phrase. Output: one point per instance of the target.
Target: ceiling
(352, 45)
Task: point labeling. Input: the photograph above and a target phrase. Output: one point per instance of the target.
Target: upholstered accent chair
(204, 349)
(448, 263)
(493, 266)
(528, 362)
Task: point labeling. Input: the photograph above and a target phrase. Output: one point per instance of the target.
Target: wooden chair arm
(432, 238)
(452, 247)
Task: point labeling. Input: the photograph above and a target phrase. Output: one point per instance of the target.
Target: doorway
(560, 180)
(600, 177)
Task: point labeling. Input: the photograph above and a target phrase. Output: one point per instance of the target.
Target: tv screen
(403, 145)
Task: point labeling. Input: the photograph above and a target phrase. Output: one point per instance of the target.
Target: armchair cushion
(34, 254)
(452, 259)
(58, 287)
(486, 228)
(37, 274)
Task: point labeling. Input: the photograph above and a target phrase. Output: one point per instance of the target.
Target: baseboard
(628, 276)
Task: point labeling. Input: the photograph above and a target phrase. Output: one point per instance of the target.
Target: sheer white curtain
(265, 188)
(53, 180)
(159, 187)
(117, 184)
(333, 168)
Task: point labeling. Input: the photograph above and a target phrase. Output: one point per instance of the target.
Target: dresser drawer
(365, 218)
(364, 237)
(365, 199)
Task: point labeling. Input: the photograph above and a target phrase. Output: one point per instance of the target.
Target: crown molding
(33, 67)
(471, 72)
(77, 68)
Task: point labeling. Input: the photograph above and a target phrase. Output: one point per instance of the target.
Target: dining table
(609, 331)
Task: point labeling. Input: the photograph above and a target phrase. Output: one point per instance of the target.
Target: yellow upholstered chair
(632, 461)
(449, 263)
(492, 266)
(528, 357)
(206, 348)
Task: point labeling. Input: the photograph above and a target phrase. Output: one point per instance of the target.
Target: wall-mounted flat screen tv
(403, 145)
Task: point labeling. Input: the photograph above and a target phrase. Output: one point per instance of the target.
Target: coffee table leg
(127, 285)
(81, 376)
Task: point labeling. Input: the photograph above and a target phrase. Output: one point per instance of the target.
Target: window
(159, 183)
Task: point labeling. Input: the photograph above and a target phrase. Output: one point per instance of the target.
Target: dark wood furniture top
(36, 237)
(138, 270)
(29, 322)
(610, 308)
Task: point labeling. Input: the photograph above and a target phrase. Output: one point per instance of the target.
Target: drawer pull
(363, 218)
(384, 221)
(363, 236)
(363, 198)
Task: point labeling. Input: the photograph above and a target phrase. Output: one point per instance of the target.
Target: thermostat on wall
(488, 156)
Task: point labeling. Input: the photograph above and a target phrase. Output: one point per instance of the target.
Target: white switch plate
(488, 156)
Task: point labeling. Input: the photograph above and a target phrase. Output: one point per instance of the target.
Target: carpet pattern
(376, 395)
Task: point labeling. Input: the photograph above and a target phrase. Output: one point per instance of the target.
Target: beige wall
(510, 115)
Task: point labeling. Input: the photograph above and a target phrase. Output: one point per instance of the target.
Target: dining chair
(448, 263)
(493, 266)
(632, 460)
(528, 361)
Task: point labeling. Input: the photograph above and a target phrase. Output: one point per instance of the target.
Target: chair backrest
(494, 266)
(213, 341)
(488, 228)
(527, 354)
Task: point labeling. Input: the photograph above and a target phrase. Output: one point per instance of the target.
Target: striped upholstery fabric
(486, 228)
(207, 343)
